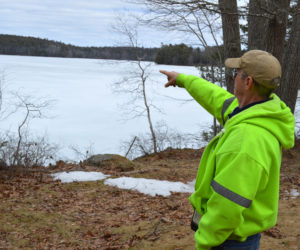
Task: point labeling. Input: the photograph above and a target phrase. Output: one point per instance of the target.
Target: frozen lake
(86, 111)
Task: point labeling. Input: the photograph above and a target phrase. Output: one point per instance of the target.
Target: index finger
(163, 72)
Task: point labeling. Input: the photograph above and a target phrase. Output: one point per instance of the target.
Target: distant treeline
(31, 46)
(168, 54)
(182, 54)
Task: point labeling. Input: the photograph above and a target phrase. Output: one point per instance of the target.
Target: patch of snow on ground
(150, 186)
(146, 186)
(68, 177)
(294, 193)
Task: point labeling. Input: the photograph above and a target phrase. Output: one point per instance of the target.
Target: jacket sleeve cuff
(181, 78)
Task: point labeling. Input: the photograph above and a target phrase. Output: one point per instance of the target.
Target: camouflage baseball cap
(261, 65)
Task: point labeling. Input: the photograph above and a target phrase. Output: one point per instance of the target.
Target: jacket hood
(274, 116)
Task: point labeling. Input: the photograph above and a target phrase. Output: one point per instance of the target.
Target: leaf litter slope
(47, 214)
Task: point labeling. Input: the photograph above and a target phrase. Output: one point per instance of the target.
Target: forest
(180, 54)
(31, 46)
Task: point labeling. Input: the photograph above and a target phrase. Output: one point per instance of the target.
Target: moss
(111, 162)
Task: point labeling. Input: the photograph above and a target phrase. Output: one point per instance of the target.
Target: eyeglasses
(234, 73)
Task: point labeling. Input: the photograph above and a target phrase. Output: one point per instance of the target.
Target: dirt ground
(37, 212)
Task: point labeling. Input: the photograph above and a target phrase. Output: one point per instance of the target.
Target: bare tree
(274, 21)
(33, 109)
(276, 30)
(231, 35)
(82, 154)
(201, 20)
(291, 64)
(33, 150)
(166, 138)
(257, 25)
(135, 84)
(22, 148)
(200, 24)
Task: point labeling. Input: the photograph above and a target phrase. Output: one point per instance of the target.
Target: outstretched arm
(208, 95)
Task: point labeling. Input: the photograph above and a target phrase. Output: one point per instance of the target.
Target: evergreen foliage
(30, 46)
(174, 55)
(179, 54)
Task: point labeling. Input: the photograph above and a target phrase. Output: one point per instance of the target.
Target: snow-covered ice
(150, 186)
(68, 177)
(86, 111)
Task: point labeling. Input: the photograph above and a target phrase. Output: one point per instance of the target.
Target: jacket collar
(238, 109)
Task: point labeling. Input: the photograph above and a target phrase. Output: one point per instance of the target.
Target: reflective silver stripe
(226, 104)
(196, 217)
(236, 198)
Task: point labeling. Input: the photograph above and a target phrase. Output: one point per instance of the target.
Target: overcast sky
(77, 22)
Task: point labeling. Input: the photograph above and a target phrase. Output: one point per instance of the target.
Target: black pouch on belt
(195, 220)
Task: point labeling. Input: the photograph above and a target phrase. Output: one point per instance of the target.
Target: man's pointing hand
(172, 76)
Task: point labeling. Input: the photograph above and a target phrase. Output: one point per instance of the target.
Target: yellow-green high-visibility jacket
(237, 185)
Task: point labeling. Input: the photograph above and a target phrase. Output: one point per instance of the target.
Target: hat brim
(234, 63)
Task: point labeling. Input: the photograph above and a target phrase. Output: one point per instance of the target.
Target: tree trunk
(257, 25)
(288, 90)
(16, 159)
(276, 28)
(231, 35)
(150, 123)
(147, 107)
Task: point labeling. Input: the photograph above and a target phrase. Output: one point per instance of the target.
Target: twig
(155, 229)
(131, 146)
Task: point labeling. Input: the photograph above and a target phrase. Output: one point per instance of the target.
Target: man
(237, 186)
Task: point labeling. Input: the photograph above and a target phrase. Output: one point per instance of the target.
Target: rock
(110, 162)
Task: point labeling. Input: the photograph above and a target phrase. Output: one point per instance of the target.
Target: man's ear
(249, 83)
